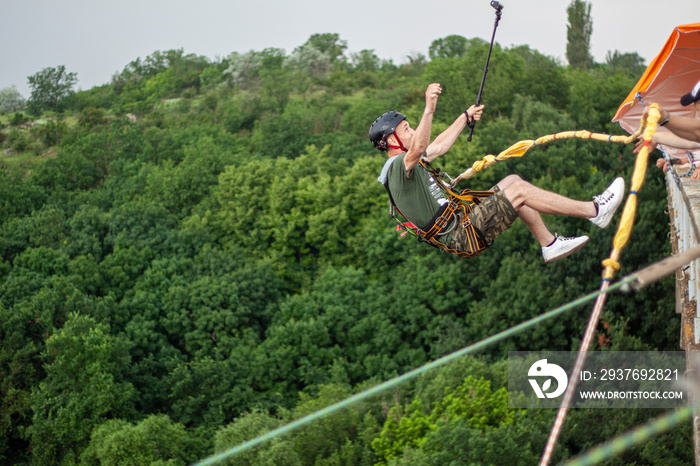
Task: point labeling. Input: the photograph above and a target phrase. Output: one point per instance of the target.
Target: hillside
(199, 251)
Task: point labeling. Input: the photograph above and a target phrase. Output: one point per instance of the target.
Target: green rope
(634, 437)
(408, 375)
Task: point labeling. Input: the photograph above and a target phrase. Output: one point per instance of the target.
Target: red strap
(400, 146)
(406, 226)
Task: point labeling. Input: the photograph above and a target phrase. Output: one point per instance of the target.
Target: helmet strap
(400, 146)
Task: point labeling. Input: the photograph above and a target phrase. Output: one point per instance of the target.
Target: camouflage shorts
(490, 218)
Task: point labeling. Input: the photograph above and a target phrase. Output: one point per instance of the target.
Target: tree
(543, 78)
(366, 60)
(312, 60)
(155, 439)
(473, 402)
(153, 64)
(329, 44)
(83, 387)
(91, 117)
(165, 73)
(578, 34)
(453, 46)
(275, 452)
(49, 87)
(243, 69)
(630, 63)
(327, 437)
(11, 100)
(20, 370)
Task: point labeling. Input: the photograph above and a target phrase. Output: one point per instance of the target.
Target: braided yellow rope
(519, 148)
(610, 265)
(624, 230)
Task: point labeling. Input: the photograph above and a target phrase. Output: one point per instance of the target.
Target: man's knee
(508, 181)
(519, 191)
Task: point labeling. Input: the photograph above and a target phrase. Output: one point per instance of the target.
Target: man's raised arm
(421, 137)
(447, 138)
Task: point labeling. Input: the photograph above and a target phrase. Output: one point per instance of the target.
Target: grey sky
(95, 38)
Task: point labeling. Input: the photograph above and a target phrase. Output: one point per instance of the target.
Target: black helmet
(383, 127)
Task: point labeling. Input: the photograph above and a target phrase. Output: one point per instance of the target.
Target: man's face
(405, 133)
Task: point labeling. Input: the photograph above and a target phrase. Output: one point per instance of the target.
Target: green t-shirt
(418, 197)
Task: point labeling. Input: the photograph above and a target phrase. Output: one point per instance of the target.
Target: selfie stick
(498, 8)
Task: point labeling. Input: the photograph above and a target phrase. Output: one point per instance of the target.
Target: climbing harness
(455, 212)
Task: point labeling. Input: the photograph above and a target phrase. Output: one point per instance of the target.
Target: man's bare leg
(530, 201)
(520, 192)
(524, 198)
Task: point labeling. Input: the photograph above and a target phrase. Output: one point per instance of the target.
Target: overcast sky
(95, 38)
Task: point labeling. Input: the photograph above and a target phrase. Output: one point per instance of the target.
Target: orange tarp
(671, 74)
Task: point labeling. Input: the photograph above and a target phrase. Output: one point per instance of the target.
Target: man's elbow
(418, 150)
(436, 150)
(696, 134)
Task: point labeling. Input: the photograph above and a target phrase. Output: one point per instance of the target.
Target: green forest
(199, 251)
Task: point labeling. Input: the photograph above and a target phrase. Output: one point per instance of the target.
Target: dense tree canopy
(199, 252)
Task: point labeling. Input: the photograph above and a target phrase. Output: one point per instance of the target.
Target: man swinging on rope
(460, 228)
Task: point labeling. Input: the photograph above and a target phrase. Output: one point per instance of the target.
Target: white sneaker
(562, 247)
(608, 202)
